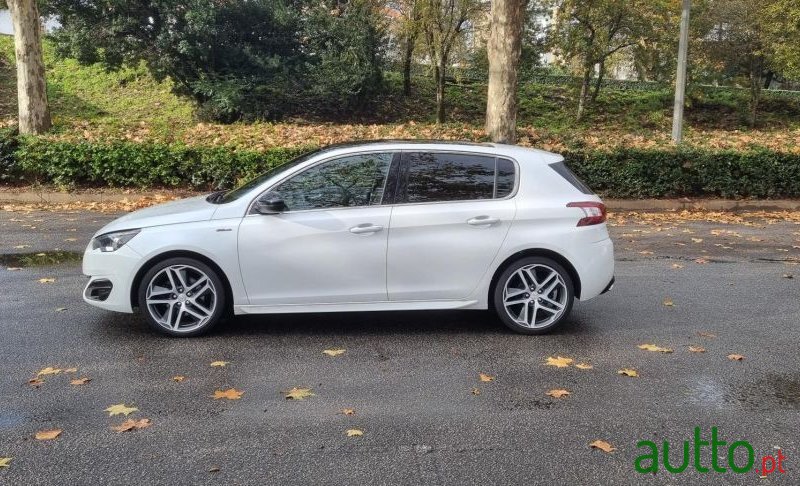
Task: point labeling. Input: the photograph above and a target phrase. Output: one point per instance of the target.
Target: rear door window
(438, 177)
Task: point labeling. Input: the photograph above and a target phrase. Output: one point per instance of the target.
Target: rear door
(452, 213)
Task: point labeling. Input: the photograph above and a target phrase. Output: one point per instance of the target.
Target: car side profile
(377, 226)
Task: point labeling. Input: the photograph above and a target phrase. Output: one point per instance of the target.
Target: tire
(525, 313)
(193, 295)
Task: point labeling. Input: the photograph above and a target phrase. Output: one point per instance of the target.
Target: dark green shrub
(128, 164)
(622, 173)
(9, 169)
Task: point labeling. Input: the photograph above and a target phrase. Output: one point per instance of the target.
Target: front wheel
(182, 297)
(533, 295)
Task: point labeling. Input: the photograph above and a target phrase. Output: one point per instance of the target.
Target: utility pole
(680, 80)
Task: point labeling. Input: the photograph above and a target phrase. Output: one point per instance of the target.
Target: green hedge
(128, 164)
(656, 173)
(623, 173)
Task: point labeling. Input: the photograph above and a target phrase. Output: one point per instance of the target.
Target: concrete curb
(55, 197)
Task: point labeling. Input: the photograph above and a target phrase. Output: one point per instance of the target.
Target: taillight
(594, 212)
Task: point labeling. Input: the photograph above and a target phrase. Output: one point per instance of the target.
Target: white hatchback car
(379, 226)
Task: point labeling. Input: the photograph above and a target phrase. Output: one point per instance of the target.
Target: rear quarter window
(562, 170)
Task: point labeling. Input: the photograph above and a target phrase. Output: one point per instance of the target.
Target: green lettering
(750, 457)
(684, 464)
(698, 444)
(653, 456)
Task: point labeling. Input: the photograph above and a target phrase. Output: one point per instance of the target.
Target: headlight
(113, 241)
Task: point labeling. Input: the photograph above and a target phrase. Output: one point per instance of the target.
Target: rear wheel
(533, 295)
(182, 297)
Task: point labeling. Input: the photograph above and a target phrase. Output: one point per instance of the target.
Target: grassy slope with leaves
(89, 103)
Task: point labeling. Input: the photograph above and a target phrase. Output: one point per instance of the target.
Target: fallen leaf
(348, 411)
(669, 303)
(61, 309)
(654, 348)
(697, 240)
(584, 366)
(706, 334)
(131, 424)
(354, 432)
(558, 393)
(70, 239)
(700, 261)
(49, 371)
(230, 394)
(559, 362)
(48, 434)
(788, 275)
(5, 461)
(20, 247)
(214, 469)
(628, 372)
(220, 363)
(333, 352)
(677, 265)
(603, 446)
(120, 409)
(47, 280)
(69, 370)
(697, 349)
(35, 382)
(735, 357)
(298, 393)
(646, 252)
(80, 381)
(485, 378)
(13, 269)
(476, 391)
(178, 378)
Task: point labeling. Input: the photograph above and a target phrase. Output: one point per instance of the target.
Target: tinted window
(504, 183)
(449, 177)
(355, 180)
(567, 174)
(457, 177)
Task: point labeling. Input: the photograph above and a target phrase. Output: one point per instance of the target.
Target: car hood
(181, 211)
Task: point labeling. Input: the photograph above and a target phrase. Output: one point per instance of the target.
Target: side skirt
(356, 307)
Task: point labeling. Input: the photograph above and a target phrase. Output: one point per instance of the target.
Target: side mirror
(269, 206)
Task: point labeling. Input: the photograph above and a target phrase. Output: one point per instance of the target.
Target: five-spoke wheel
(182, 296)
(533, 295)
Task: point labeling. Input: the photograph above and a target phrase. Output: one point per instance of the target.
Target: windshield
(248, 186)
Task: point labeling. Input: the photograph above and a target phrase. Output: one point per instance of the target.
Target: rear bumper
(609, 286)
(595, 267)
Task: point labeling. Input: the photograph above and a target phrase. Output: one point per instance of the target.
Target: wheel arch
(137, 279)
(540, 252)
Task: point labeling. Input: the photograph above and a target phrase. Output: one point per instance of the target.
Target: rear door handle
(482, 221)
(365, 229)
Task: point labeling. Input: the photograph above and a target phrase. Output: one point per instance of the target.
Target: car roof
(512, 151)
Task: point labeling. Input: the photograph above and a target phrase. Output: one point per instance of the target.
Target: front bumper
(110, 278)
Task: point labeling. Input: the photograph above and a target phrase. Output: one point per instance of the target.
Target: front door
(329, 246)
(453, 214)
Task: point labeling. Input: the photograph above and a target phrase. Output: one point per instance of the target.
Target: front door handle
(365, 229)
(482, 221)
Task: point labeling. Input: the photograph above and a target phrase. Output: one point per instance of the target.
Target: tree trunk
(756, 71)
(599, 82)
(34, 113)
(439, 73)
(587, 77)
(407, 57)
(504, 48)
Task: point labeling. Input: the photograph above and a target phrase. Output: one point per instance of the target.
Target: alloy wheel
(181, 298)
(535, 296)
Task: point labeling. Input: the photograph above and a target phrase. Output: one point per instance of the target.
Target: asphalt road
(410, 376)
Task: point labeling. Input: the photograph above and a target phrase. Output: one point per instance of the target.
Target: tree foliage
(254, 59)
